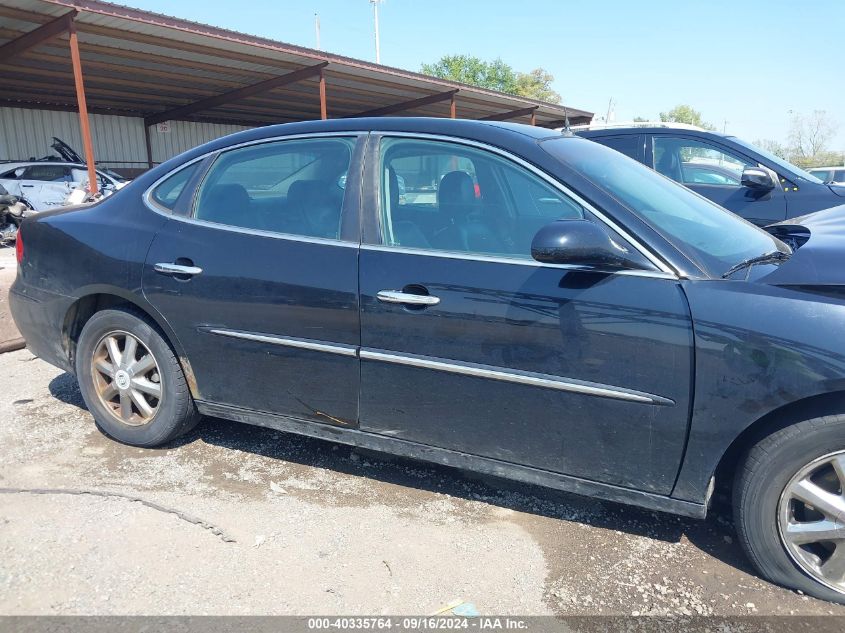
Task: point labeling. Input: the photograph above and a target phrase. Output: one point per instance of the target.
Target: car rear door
(257, 274)
(470, 345)
(46, 185)
(715, 171)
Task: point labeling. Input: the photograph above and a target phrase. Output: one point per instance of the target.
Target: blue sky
(747, 62)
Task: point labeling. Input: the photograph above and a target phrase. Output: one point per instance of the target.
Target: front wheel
(131, 380)
(789, 507)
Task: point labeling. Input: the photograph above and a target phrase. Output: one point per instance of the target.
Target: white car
(43, 185)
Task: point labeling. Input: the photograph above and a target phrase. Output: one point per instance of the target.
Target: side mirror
(757, 178)
(579, 243)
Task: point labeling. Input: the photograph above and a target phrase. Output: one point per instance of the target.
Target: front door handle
(177, 269)
(396, 296)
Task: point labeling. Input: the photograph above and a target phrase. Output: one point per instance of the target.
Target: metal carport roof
(138, 63)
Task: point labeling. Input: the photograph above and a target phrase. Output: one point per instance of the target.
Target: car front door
(715, 172)
(260, 280)
(469, 344)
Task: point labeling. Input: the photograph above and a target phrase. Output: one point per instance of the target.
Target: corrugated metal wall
(118, 140)
(184, 135)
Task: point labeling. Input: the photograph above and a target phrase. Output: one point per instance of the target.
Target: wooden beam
(234, 95)
(534, 117)
(513, 114)
(84, 123)
(43, 33)
(407, 105)
(452, 108)
(323, 108)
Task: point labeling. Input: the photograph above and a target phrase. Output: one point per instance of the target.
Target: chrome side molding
(289, 341)
(491, 372)
(521, 377)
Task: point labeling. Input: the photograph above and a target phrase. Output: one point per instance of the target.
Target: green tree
(495, 75)
(685, 114)
(537, 85)
(639, 119)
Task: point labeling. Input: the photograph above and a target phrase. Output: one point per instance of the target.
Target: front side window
(691, 162)
(713, 237)
(291, 187)
(48, 173)
(839, 175)
(450, 197)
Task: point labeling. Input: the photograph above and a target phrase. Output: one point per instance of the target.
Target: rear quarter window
(168, 191)
(628, 144)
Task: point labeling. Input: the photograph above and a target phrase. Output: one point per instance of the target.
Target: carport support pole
(87, 144)
(323, 109)
(533, 118)
(453, 110)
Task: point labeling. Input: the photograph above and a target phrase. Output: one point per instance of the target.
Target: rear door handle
(177, 269)
(395, 296)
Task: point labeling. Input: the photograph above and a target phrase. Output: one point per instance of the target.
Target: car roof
(490, 132)
(647, 129)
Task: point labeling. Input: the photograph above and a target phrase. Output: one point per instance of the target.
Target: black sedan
(497, 297)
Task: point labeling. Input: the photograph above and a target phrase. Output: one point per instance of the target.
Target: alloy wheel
(811, 519)
(127, 378)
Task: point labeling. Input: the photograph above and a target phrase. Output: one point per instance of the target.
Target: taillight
(19, 246)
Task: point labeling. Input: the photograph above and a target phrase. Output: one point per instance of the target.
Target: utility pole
(317, 29)
(375, 4)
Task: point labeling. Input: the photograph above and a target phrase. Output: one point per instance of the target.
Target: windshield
(713, 237)
(788, 167)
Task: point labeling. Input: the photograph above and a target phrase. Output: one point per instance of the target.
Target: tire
(151, 420)
(765, 502)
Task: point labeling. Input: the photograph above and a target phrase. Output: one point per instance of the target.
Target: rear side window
(628, 144)
(48, 173)
(168, 191)
(294, 187)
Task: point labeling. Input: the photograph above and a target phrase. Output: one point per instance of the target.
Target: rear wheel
(131, 381)
(789, 507)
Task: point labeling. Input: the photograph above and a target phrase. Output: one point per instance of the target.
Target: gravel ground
(8, 268)
(240, 520)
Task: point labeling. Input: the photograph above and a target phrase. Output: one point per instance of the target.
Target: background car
(551, 311)
(743, 178)
(43, 185)
(832, 175)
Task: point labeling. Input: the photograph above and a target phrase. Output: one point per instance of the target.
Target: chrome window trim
(553, 182)
(515, 376)
(407, 250)
(156, 208)
(289, 341)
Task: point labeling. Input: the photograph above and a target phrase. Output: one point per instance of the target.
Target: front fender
(758, 348)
